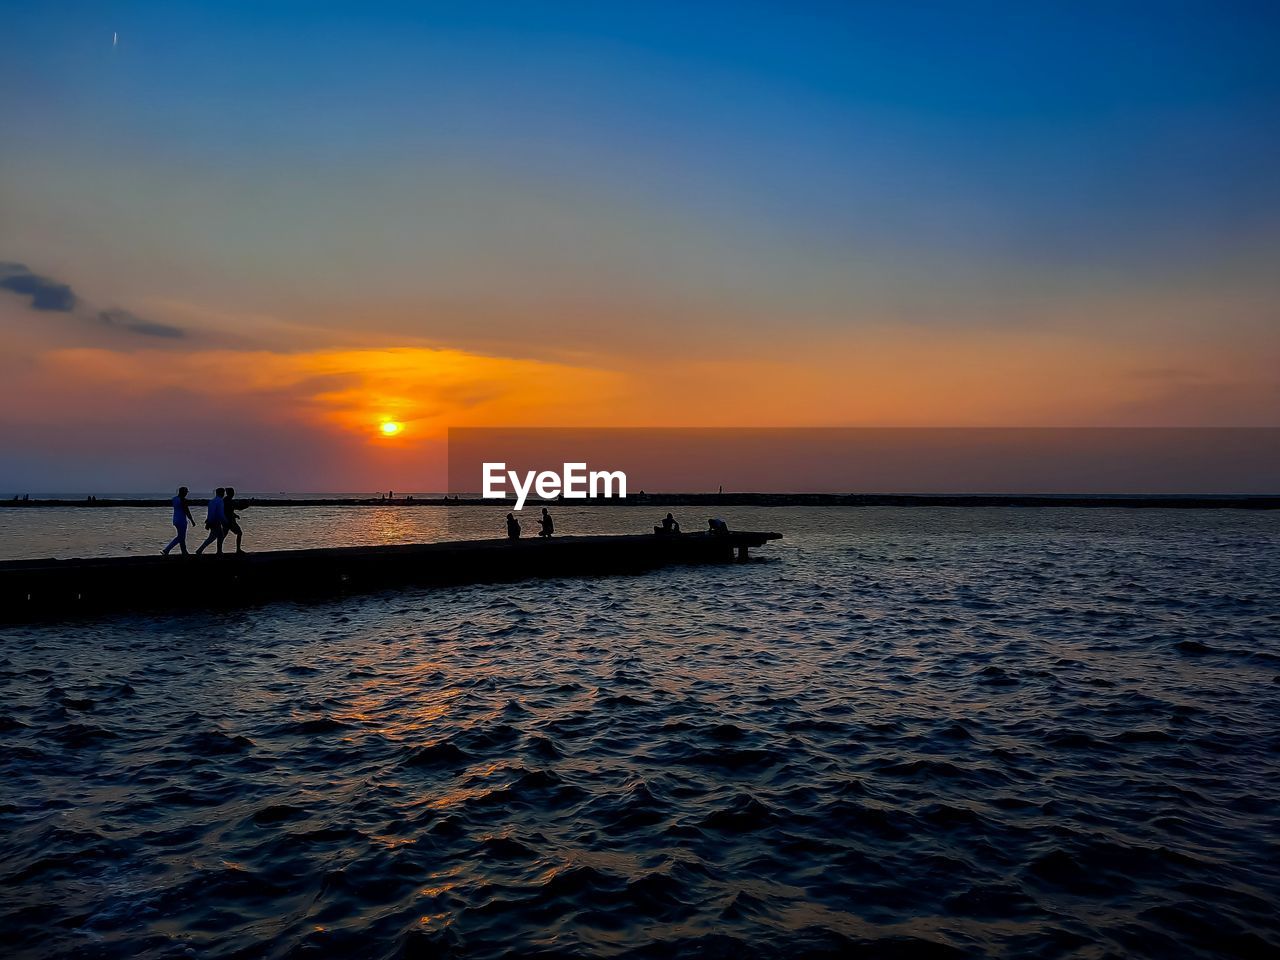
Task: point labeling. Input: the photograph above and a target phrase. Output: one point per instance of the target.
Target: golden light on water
(391, 428)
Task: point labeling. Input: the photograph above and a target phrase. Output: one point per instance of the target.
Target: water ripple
(913, 733)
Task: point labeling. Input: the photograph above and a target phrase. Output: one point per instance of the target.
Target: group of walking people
(220, 519)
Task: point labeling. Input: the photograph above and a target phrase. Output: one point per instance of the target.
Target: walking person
(231, 523)
(548, 525)
(181, 517)
(213, 521)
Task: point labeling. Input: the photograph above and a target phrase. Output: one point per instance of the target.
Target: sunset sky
(240, 238)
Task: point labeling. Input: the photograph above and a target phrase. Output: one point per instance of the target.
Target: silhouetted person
(213, 521)
(717, 527)
(231, 523)
(181, 517)
(548, 525)
(513, 527)
(670, 527)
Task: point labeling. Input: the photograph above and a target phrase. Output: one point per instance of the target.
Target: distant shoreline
(1137, 501)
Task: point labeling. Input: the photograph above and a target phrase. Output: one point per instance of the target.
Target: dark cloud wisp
(124, 320)
(50, 295)
(45, 294)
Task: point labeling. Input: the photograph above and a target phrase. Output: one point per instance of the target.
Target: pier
(34, 590)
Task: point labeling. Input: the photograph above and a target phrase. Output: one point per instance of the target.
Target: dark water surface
(910, 732)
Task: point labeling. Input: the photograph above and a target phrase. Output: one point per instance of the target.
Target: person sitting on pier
(513, 527)
(670, 526)
(181, 517)
(718, 527)
(231, 523)
(548, 525)
(213, 521)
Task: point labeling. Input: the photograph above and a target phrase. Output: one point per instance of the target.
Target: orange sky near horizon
(252, 400)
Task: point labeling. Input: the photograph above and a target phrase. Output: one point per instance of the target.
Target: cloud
(45, 294)
(1205, 402)
(333, 392)
(123, 319)
(50, 295)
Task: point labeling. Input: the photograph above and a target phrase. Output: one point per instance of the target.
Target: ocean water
(898, 733)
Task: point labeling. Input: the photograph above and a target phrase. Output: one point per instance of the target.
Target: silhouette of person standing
(213, 521)
(548, 525)
(231, 523)
(513, 527)
(181, 517)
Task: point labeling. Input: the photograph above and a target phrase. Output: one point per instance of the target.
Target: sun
(391, 428)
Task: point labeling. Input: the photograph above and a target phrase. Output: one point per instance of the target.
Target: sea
(897, 732)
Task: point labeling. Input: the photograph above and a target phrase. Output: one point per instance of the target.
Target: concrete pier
(34, 590)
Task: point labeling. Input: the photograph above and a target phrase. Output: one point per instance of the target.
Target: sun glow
(391, 428)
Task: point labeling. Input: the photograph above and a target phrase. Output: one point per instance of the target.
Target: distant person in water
(513, 527)
(181, 517)
(548, 525)
(717, 526)
(213, 520)
(230, 523)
